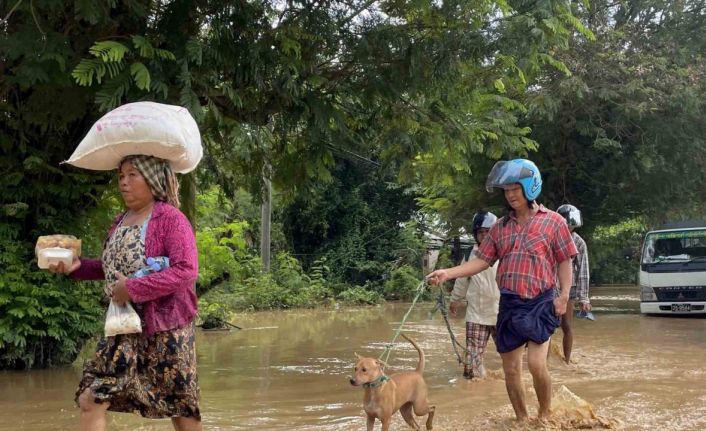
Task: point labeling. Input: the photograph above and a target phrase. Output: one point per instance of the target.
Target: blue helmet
(518, 171)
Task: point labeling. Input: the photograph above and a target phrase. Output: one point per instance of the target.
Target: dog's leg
(421, 405)
(371, 423)
(406, 412)
(421, 408)
(386, 423)
(430, 418)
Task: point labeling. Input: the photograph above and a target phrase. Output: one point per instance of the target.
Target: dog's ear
(381, 364)
(357, 356)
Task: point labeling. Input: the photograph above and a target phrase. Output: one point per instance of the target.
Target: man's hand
(560, 305)
(453, 307)
(120, 293)
(437, 277)
(586, 306)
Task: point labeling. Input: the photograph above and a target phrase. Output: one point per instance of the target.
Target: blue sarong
(521, 320)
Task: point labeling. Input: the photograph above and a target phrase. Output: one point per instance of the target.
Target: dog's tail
(420, 365)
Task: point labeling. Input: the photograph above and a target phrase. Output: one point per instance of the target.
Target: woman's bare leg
(187, 424)
(93, 414)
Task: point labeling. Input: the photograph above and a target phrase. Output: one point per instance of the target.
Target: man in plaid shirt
(579, 286)
(533, 245)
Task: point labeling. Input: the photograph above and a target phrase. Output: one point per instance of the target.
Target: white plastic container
(47, 256)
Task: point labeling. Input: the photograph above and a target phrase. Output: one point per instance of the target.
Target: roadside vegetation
(375, 122)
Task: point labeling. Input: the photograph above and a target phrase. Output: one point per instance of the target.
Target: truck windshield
(674, 246)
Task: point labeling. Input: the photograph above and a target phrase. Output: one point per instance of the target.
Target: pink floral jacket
(168, 297)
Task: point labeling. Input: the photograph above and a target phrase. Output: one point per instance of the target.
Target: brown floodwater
(289, 370)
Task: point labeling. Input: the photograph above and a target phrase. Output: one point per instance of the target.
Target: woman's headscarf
(159, 176)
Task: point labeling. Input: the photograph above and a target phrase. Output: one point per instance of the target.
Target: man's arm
(565, 286)
(468, 269)
(564, 249)
(565, 277)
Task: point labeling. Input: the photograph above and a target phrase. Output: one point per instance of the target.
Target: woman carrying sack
(154, 372)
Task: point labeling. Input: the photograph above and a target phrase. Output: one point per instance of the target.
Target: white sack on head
(148, 128)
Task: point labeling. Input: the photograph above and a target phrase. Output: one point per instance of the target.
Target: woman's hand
(120, 294)
(60, 268)
(437, 277)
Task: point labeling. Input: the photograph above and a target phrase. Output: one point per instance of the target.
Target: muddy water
(288, 370)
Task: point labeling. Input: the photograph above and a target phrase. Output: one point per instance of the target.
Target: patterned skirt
(154, 375)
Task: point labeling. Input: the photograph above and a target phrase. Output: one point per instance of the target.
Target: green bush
(286, 286)
(222, 254)
(608, 248)
(287, 271)
(44, 318)
(317, 292)
(360, 296)
(403, 283)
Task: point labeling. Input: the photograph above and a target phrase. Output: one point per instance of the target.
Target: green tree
(355, 222)
(623, 136)
(277, 89)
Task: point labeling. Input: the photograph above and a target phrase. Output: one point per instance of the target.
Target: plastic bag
(121, 319)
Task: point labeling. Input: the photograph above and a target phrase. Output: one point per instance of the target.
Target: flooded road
(289, 370)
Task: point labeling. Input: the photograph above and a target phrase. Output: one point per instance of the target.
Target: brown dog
(404, 391)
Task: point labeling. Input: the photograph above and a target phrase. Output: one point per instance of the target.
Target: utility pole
(266, 206)
(265, 219)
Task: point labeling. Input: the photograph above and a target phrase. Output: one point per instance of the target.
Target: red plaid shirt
(528, 254)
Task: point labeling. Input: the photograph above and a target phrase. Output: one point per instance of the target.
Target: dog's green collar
(377, 382)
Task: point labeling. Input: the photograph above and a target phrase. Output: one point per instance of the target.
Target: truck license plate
(681, 307)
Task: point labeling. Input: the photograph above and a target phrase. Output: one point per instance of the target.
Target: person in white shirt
(581, 278)
(482, 294)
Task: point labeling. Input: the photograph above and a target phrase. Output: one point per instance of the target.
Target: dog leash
(391, 344)
(441, 306)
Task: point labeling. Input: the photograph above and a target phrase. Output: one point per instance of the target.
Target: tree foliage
(623, 136)
(278, 88)
(355, 222)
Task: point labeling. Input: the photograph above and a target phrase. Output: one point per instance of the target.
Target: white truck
(673, 269)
